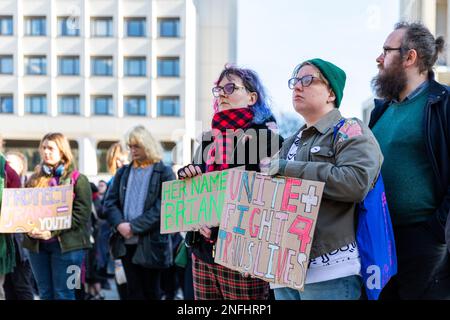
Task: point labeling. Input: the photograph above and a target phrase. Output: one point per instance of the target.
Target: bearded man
(412, 125)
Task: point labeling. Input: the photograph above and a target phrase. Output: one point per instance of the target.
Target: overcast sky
(275, 35)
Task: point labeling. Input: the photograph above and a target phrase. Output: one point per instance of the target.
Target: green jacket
(348, 162)
(78, 236)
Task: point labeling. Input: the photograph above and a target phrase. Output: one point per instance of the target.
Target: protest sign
(189, 204)
(267, 226)
(42, 208)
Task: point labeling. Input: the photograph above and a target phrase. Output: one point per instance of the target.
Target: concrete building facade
(93, 69)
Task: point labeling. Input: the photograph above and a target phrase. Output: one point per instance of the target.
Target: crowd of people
(115, 231)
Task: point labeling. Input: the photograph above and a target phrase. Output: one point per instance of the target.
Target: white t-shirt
(339, 263)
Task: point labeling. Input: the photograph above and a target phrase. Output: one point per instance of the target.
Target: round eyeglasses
(305, 81)
(226, 89)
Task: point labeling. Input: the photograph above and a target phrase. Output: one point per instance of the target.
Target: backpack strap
(337, 127)
(74, 177)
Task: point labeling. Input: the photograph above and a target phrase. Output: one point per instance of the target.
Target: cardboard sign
(42, 208)
(267, 226)
(189, 204)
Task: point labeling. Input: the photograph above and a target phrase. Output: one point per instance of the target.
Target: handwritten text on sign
(267, 226)
(191, 203)
(42, 208)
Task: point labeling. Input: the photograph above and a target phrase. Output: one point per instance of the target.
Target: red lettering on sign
(287, 195)
(254, 231)
(302, 232)
(227, 243)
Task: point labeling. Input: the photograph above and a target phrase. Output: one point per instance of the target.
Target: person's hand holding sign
(206, 232)
(41, 235)
(189, 171)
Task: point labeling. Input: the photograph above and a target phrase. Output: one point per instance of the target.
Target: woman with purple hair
(242, 124)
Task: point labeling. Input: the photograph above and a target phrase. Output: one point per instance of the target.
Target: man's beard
(390, 82)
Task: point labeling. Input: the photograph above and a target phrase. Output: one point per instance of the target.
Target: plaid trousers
(216, 282)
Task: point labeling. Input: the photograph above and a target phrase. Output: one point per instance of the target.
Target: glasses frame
(216, 91)
(302, 80)
(387, 49)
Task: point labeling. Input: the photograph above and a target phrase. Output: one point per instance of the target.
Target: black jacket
(436, 125)
(200, 247)
(154, 250)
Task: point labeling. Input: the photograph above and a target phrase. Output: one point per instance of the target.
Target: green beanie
(335, 76)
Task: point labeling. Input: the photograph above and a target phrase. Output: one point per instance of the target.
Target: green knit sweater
(407, 172)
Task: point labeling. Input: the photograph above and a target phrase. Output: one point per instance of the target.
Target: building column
(19, 98)
(429, 15)
(87, 155)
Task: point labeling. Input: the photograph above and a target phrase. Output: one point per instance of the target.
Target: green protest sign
(189, 204)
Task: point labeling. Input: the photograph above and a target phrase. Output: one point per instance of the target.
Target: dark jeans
(423, 266)
(142, 283)
(171, 280)
(19, 283)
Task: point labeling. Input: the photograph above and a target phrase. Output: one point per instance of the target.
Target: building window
(6, 65)
(6, 103)
(30, 149)
(169, 27)
(68, 65)
(168, 106)
(35, 26)
(101, 27)
(102, 66)
(135, 67)
(102, 105)
(68, 27)
(36, 104)
(134, 27)
(36, 65)
(69, 104)
(168, 67)
(135, 105)
(6, 25)
(168, 152)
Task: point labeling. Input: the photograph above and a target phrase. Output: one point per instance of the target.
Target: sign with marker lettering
(267, 226)
(46, 209)
(189, 204)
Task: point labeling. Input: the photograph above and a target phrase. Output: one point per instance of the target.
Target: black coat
(200, 247)
(154, 250)
(436, 126)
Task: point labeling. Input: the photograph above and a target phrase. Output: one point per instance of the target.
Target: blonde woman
(52, 253)
(132, 206)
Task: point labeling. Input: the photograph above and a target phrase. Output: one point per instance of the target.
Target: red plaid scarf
(225, 123)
